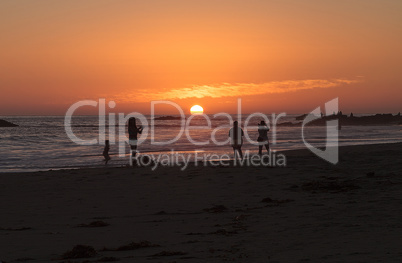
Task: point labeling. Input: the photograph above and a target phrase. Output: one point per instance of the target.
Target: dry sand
(310, 211)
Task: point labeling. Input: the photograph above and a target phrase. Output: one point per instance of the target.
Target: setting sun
(196, 109)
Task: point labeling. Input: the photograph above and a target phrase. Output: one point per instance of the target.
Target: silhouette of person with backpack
(262, 137)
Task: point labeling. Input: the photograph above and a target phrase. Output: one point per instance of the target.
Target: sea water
(41, 142)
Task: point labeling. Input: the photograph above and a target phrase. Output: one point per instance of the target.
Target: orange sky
(277, 56)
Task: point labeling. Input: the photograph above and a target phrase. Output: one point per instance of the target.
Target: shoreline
(90, 167)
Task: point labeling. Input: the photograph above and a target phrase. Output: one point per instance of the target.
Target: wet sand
(309, 211)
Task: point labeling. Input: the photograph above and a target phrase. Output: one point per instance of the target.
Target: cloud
(238, 89)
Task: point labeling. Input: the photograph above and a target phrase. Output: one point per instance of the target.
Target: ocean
(41, 143)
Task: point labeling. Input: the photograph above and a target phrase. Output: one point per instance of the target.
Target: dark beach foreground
(309, 211)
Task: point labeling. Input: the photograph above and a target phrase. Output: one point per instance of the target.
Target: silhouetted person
(351, 115)
(106, 151)
(262, 137)
(236, 138)
(133, 132)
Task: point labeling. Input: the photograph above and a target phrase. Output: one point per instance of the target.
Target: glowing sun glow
(196, 109)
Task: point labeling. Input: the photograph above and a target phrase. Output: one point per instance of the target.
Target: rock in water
(4, 123)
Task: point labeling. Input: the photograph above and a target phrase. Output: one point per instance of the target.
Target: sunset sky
(277, 56)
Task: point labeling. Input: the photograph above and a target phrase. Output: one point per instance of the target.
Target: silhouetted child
(106, 151)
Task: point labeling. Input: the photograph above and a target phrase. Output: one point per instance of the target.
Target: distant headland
(4, 123)
(167, 118)
(351, 120)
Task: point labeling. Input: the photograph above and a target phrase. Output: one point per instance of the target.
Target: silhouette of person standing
(133, 132)
(106, 151)
(262, 137)
(236, 138)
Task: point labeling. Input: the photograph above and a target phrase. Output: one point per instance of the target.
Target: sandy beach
(309, 211)
(180, 86)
